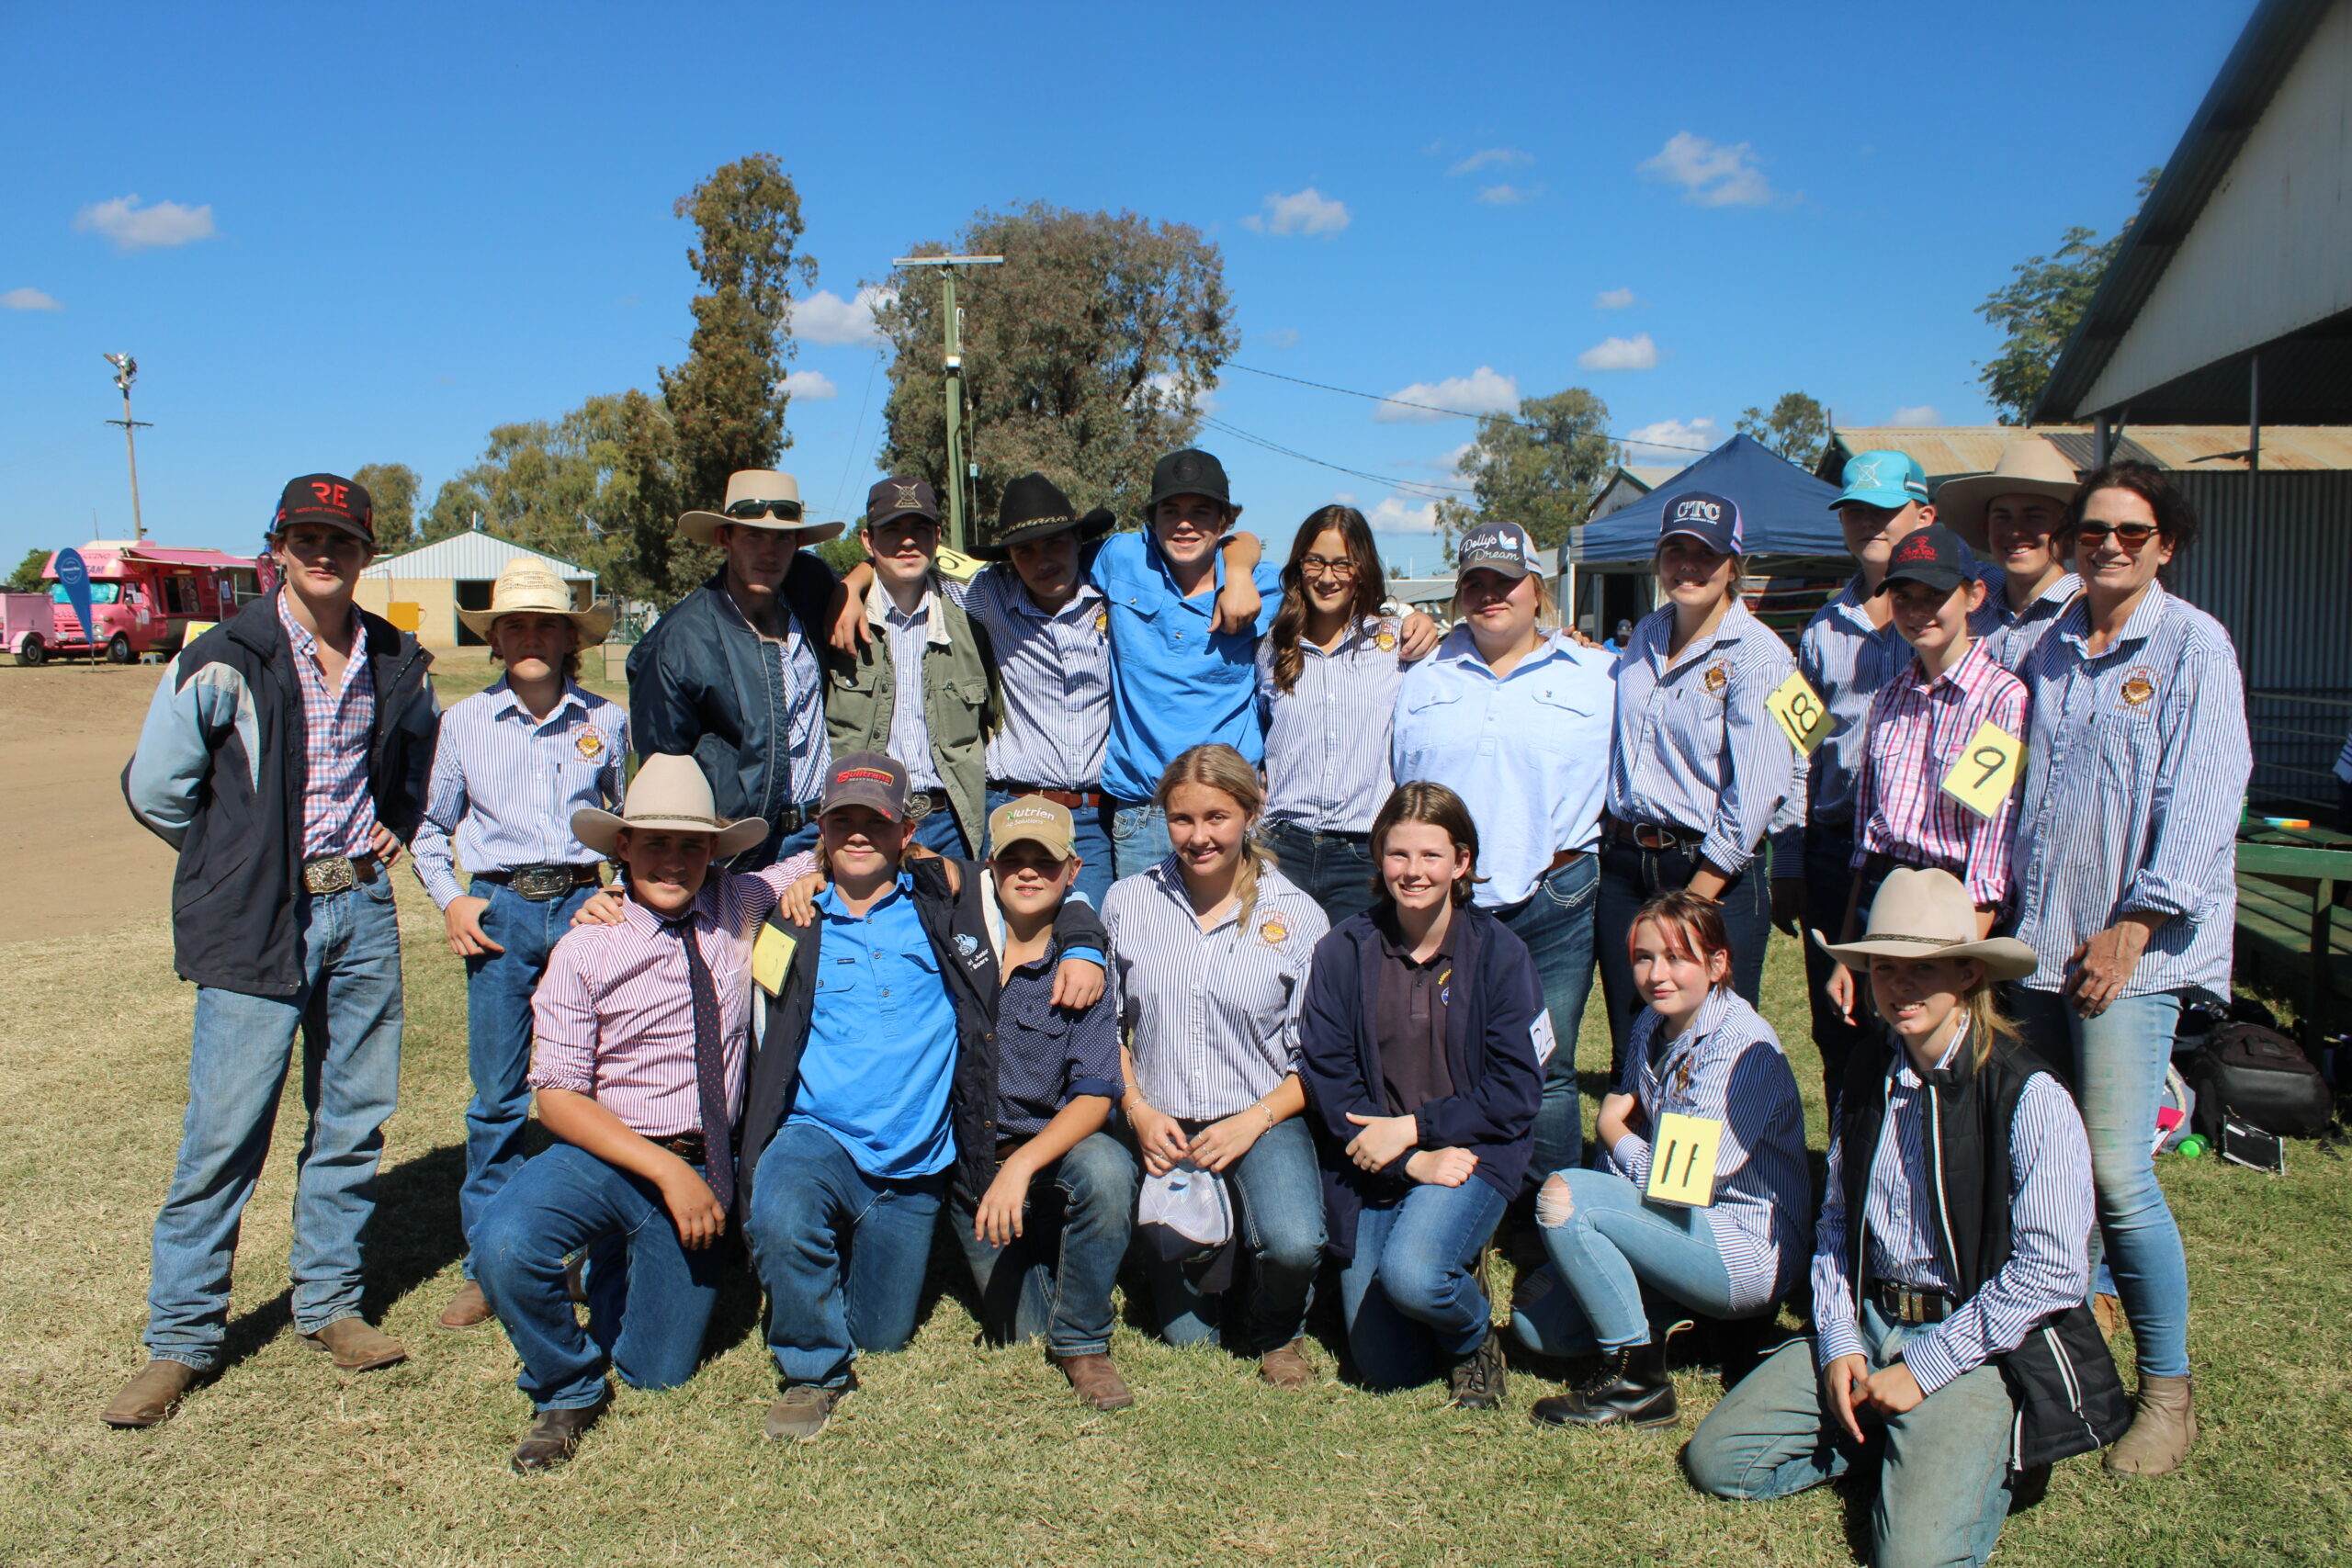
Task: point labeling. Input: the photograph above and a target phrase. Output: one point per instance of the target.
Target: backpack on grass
(2260, 1076)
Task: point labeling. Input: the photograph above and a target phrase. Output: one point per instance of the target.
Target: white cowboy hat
(747, 490)
(1928, 914)
(528, 585)
(2032, 466)
(669, 793)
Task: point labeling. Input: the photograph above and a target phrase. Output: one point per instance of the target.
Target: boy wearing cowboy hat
(732, 674)
(512, 765)
(2012, 516)
(641, 1037)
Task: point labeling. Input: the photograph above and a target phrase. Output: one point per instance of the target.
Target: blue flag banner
(75, 577)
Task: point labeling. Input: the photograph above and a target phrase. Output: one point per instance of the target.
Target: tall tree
(1085, 355)
(2037, 308)
(26, 578)
(393, 486)
(1797, 428)
(1540, 467)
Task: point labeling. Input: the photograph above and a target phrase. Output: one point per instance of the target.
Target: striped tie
(710, 1075)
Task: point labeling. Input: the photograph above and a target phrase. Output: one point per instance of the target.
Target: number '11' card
(1682, 1161)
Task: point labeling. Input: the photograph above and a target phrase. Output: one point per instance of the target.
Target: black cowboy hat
(1033, 507)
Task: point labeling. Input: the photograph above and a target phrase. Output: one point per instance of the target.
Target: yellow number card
(1987, 770)
(1802, 713)
(771, 958)
(1682, 1161)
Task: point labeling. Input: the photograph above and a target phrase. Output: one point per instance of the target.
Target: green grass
(951, 1454)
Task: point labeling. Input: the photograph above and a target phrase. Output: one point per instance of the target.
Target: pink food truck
(143, 597)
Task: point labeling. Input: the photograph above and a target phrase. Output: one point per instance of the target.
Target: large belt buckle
(1650, 836)
(791, 819)
(918, 805)
(328, 874)
(543, 883)
(1911, 1306)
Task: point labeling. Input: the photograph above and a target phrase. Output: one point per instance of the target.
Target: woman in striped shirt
(1698, 1050)
(1210, 951)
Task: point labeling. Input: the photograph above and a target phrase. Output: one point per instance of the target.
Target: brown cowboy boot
(2164, 1429)
(1286, 1366)
(356, 1346)
(1095, 1380)
(468, 1309)
(150, 1396)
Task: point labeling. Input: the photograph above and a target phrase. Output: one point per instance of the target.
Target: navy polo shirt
(1047, 1055)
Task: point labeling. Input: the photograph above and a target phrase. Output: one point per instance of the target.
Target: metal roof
(1944, 451)
(470, 557)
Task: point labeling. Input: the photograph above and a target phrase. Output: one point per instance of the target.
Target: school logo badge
(589, 744)
(1718, 676)
(910, 495)
(1102, 622)
(2139, 687)
(1446, 990)
(968, 948)
(1386, 640)
(1272, 932)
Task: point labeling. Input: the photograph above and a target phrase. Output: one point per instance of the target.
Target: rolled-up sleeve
(1759, 775)
(1987, 866)
(2200, 786)
(563, 1017)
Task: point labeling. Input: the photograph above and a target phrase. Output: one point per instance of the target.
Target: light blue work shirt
(1528, 752)
(1326, 738)
(1055, 672)
(881, 1051)
(505, 785)
(2012, 634)
(1846, 659)
(1174, 686)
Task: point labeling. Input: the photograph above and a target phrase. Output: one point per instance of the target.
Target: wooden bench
(2290, 935)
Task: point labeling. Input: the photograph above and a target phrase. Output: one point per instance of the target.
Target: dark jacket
(2069, 1400)
(219, 773)
(956, 924)
(1489, 1054)
(702, 683)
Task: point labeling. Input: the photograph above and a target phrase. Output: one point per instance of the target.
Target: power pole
(126, 371)
(961, 470)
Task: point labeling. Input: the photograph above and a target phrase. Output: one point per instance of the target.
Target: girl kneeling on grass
(1698, 1050)
(1418, 1055)
(1950, 1265)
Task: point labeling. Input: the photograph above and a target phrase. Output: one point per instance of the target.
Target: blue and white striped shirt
(2049, 1227)
(1846, 660)
(1727, 1065)
(1326, 738)
(1694, 747)
(1055, 674)
(1214, 1014)
(504, 786)
(2136, 780)
(2014, 633)
(910, 635)
(1528, 752)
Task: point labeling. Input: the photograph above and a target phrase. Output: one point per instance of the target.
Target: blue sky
(335, 237)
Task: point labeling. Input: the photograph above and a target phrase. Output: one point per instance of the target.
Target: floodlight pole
(961, 470)
(126, 371)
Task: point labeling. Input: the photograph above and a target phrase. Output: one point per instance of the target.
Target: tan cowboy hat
(1928, 914)
(528, 585)
(669, 793)
(2032, 466)
(746, 490)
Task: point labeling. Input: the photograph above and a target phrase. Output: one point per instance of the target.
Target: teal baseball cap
(1884, 477)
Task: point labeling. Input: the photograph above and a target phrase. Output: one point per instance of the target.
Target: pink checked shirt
(338, 814)
(614, 1017)
(1917, 730)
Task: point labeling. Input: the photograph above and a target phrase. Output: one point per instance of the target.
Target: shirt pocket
(1558, 720)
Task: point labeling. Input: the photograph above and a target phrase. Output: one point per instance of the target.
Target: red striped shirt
(1918, 728)
(338, 814)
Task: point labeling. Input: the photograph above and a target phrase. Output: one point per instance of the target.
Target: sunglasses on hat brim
(788, 510)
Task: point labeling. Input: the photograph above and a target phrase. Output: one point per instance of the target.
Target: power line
(1428, 490)
(1432, 408)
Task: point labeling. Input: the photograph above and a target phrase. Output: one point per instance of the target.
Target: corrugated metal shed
(1945, 451)
(471, 556)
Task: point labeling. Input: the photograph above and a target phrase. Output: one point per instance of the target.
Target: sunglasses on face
(2131, 535)
(788, 511)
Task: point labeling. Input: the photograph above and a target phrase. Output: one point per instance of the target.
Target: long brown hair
(1214, 765)
(1421, 801)
(1370, 585)
(2176, 518)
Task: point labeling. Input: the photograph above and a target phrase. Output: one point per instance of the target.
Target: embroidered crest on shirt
(968, 948)
(1386, 637)
(2139, 687)
(1272, 932)
(1718, 676)
(589, 744)
(1103, 620)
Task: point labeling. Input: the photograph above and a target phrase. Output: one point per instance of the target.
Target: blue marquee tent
(1783, 509)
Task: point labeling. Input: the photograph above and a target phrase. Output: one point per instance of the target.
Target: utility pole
(126, 371)
(961, 469)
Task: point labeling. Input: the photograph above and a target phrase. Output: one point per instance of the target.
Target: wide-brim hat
(1032, 508)
(1928, 914)
(670, 793)
(747, 485)
(528, 585)
(2032, 466)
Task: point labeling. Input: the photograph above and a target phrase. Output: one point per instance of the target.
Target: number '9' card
(1987, 769)
(1682, 1161)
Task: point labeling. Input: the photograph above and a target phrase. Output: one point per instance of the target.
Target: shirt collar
(304, 640)
(880, 606)
(1358, 634)
(1022, 604)
(2057, 596)
(503, 700)
(1461, 649)
(828, 902)
(1654, 642)
(1916, 672)
(704, 908)
(2075, 627)
(1171, 877)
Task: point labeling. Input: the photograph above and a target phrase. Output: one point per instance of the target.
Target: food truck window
(179, 595)
(100, 593)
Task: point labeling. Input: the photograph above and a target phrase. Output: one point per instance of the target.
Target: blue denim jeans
(937, 830)
(1333, 869)
(2115, 1064)
(1092, 839)
(1942, 1466)
(1053, 1280)
(1409, 1294)
(648, 1298)
(1277, 1192)
(498, 1038)
(348, 1017)
(842, 1253)
(1828, 881)
(1610, 1245)
(1555, 922)
(1631, 877)
(1138, 838)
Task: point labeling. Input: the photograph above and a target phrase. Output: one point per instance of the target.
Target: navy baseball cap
(1713, 520)
(1935, 557)
(330, 499)
(1882, 477)
(1497, 546)
(894, 497)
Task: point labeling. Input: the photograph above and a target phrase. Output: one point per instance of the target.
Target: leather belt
(338, 873)
(921, 803)
(1075, 799)
(1653, 836)
(1907, 1305)
(1566, 857)
(688, 1146)
(793, 817)
(1302, 828)
(542, 884)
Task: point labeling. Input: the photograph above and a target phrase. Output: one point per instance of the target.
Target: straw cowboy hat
(528, 585)
(1928, 914)
(671, 794)
(2032, 466)
(759, 498)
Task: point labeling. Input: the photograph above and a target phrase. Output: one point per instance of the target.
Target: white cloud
(1283, 337)
(1612, 299)
(157, 226)
(1484, 391)
(1163, 387)
(1450, 464)
(1509, 196)
(29, 299)
(1637, 352)
(1343, 498)
(1492, 158)
(1710, 173)
(1396, 514)
(1668, 442)
(1917, 415)
(813, 384)
(826, 317)
(1308, 211)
